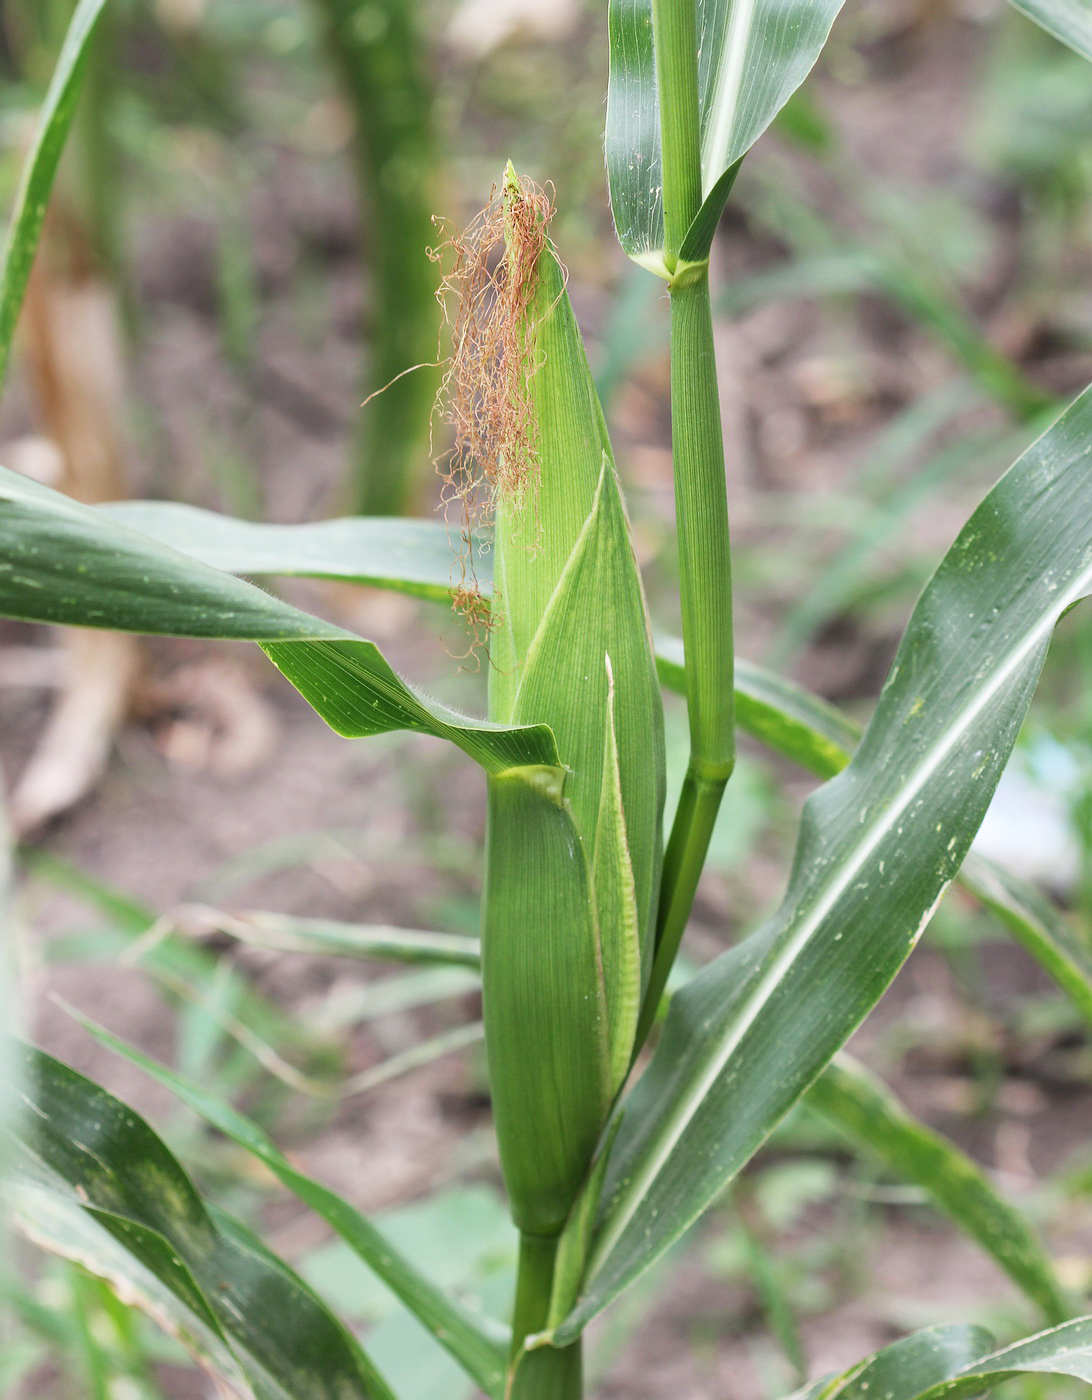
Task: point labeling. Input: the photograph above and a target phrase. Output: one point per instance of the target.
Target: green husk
(572, 875)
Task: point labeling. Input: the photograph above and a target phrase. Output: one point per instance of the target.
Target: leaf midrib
(725, 105)
(752, 1005)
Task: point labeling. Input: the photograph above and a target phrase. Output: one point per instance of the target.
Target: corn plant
(607, 1157)
(376, 51)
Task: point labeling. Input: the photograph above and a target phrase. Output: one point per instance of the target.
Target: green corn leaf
(878, 846)
(476, 1342)
(420, 557)
(1062, 1351)
(91, 1181)
(753, 54)
(1068, 20)
(803, 727)
(36, 183)
(907, 1367)
(944, 1363)
(857, 1103)
(284, 933)
(66, 563)
(1036, 924)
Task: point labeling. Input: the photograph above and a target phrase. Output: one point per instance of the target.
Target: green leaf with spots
(878, 846)
(89, 1180)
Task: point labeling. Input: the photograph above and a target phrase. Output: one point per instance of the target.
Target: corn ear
(572, 877)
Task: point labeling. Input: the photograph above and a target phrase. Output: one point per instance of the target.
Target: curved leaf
(92, 1182)
(935, 1365)
(801, 726)
(284, 933)
(877, 848)
(420, 557)
(477, 1343)
(753, 55)
(907, 1367)
(857, 1103)
(1036, 924)
(1063, 1351)
(67, 563)
(36, 182)
(1068, 20)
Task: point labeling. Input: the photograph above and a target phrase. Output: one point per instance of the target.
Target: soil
(390, 831)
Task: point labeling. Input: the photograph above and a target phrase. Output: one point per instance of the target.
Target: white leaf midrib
(752, 1005)
(729, 82)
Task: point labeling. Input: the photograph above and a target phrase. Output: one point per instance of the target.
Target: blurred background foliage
(904, 292)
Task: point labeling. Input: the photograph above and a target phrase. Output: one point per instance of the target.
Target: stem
(547, 1373)
(377, 51)
(701, 499)
(675, 42)
(691, 831)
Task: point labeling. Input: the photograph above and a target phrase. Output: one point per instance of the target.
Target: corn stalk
(581, 917)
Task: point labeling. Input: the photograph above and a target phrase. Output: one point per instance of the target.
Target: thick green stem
(675, 39)
(547, 1373)
(705, 586)
(701, 498)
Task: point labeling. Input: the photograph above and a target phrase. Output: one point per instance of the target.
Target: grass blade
(283, 933)
(477, 1343)
(39, 172)
(130, 582)
(92, 1182)
(878, 846)
(419, 557)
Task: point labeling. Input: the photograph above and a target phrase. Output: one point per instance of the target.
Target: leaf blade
(753, 54)
(755, 1028)
(96, 1158)
(475, 1344)
(40, 169)
(66, 563)
(418, 557)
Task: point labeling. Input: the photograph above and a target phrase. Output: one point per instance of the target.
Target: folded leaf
(92, 1182)
(477, 1343)
(776, 712)
(753, 54)
(878, 846)
(67, 563)
(936, 1365)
